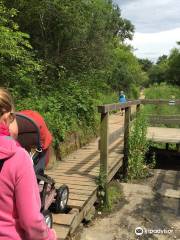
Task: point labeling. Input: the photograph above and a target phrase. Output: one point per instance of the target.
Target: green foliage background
(166, 69)
(162, 91)
(63, 58)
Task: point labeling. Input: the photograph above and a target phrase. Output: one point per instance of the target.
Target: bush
(71, 108)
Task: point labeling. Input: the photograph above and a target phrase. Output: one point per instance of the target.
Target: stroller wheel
(60, 203)
(48, 218)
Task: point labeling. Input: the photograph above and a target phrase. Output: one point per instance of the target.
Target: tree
(158, 72)
(77, 35)
(127, 74)
(145, 63)
(162, 59)
(18, 67)
(173, 72)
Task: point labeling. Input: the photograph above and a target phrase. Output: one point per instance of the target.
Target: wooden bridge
(106, 155)
(164, 134)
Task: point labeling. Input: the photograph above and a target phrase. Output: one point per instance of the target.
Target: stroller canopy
(28, 132)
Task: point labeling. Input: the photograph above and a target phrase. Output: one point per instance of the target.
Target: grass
(114, 195)
(162, 91)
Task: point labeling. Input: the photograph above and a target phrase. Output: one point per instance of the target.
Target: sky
(157, 25)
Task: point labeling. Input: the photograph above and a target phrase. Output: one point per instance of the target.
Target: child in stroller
(30, 136)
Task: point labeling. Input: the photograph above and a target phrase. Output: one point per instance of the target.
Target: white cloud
(153, 45)
(157, 25)
(151, 16)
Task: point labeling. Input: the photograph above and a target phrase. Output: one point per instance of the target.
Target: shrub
(138, 147)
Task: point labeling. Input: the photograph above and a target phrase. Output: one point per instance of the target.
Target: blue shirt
(122, 99)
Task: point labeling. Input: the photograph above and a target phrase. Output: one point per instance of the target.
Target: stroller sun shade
(28, 132)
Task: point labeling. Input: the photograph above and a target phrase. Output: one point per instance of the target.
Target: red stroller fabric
(45, 135)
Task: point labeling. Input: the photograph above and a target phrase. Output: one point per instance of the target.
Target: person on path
(122, 99)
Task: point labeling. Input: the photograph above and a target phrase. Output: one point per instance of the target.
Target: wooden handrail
(118, 106)
(163, 119)
(160, 101)
(106, 139)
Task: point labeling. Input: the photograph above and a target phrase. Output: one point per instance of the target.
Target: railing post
(126, 138)
(104, 142)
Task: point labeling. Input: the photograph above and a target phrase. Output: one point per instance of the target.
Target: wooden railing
(163, 119)
(105, 139)
(161, 101)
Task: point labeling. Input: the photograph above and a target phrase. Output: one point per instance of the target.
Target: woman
(20, 217)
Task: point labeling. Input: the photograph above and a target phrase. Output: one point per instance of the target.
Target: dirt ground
(151, 207)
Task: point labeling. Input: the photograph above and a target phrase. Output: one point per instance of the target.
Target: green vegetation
(138, 146)
(166, 69)
(162, 91)
(114, 196)
(63, 58)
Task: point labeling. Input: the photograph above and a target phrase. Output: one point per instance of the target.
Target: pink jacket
(20, 217)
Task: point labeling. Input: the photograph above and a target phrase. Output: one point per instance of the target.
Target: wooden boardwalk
(79, 171)
(164, 135)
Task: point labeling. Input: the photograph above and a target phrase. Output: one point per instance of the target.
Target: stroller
(52, 199)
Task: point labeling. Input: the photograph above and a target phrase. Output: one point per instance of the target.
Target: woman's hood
(7, 147)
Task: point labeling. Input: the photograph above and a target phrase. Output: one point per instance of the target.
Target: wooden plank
(62, 231)
(76, 185)
(163, 116)
(78, 219)
(76, 203)
(114, 107)
(114, 170)
(77, 164)
(74, 196)
(163, 119)
(82, 168)
(77, 175)
(115, 135)
(75, 182)
(77, 178)
(77, 169)
(104, 143)
(81, 192)
(163, 135)
(64, 219)
(126, 138)
(78, 160)
(113, 160)
(158, 101)
(59, 171)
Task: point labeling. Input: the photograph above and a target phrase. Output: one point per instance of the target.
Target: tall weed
(138, 146)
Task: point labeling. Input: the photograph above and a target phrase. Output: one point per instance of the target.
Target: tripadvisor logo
(139, 231)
